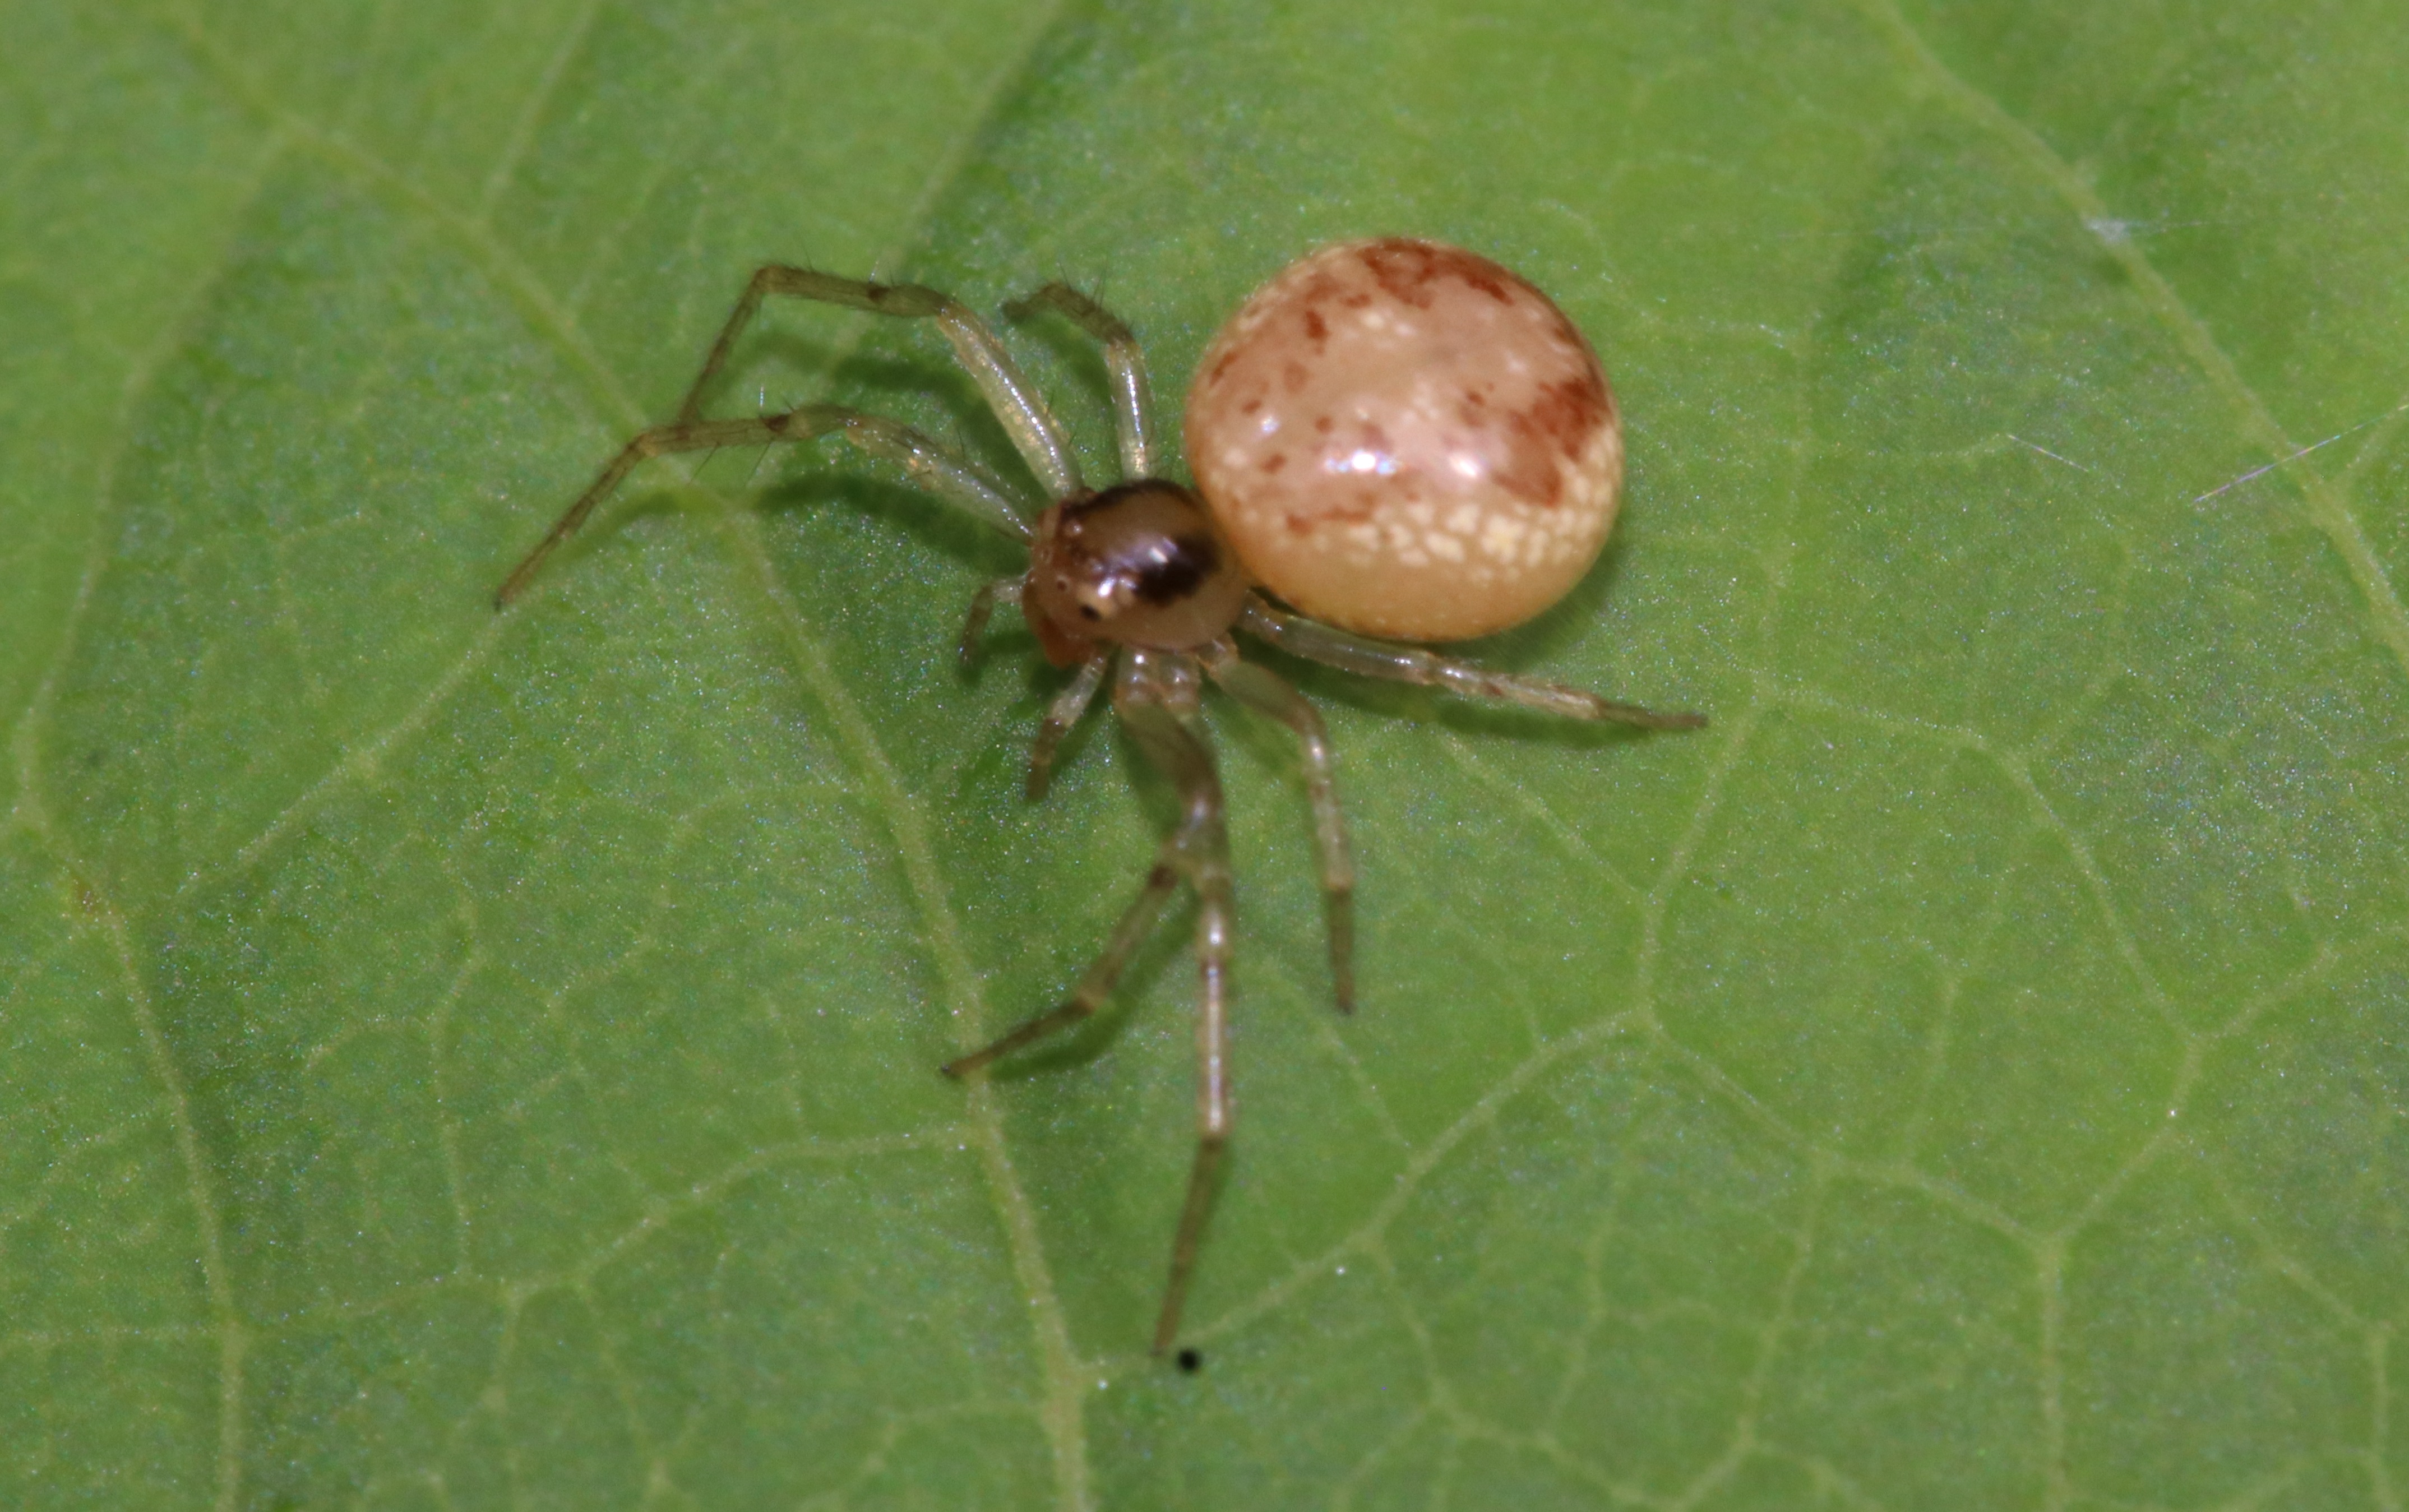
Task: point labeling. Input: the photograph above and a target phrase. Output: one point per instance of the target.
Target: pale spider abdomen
(1407, 440)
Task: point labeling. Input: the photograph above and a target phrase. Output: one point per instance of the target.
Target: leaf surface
(462, 1060)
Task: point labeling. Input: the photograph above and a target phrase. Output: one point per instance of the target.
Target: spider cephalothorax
(1141, 564)
(1400, 438)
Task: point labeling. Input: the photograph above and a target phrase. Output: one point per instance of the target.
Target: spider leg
(1151, 695)
(1001, 590)
(1199, 848)
(1266, 692)
(1133, 399)
(1155, 695)
(1062, 714)
(1136, 922)
(1370, 657)
(942, 473)
(1015, 402)
(937, 470)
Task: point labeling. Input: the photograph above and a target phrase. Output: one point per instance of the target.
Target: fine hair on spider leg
(1137, 590)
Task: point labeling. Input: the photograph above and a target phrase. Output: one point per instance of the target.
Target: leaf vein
(2327, 509)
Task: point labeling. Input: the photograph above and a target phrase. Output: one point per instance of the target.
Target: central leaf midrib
(1062, 1414)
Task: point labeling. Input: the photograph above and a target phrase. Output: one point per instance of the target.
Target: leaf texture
(461, 1060)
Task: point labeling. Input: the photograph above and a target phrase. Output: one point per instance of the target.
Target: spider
(1398, 439)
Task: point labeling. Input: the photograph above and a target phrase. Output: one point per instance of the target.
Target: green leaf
(460, 1060)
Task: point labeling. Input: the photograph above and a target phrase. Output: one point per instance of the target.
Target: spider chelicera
(1396, 438)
